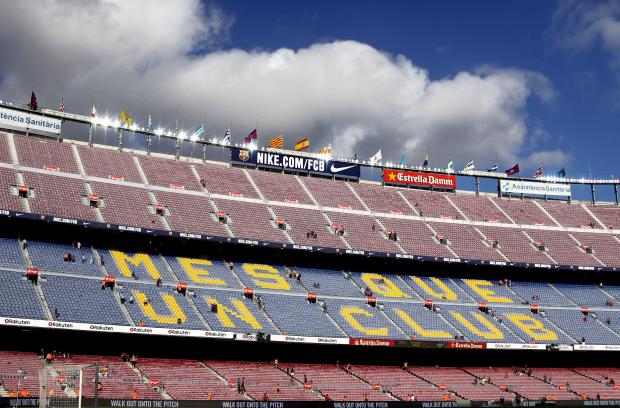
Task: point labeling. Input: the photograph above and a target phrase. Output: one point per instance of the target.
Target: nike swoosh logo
(335, 169)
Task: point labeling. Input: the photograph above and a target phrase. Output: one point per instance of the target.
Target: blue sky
(446, 37)
(534, 82)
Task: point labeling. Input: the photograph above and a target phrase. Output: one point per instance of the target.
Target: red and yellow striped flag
(326, 150)
(277, 142)
(303, 144)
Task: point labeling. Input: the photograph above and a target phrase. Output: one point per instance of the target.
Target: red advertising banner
(418, 178)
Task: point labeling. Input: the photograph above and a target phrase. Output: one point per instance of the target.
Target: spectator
(78, 245)
(317, 285)
(24, 243)
(146, 301)
(214, 307)
(134, 395)
(66, 257)
(305, 379)
(278, 388)
(159, 282)
(179, 321)
(239, 385)
(243, 385)
(608, 320)
(83, 259)
(327, 397)
(122, 298)
(99, 386)
(583, 340)
(365, 397)
(265, 397)
(134, 360)
(56, 313)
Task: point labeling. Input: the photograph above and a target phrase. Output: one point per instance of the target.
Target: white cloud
(576, 26)
(142, 56)
(548, 158)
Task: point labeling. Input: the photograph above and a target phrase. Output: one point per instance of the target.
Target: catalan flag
(303, 144)
(538, 173)
(277, 142)
(326, 150)
(425, 164)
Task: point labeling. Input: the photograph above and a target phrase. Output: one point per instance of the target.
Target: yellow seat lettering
(437, 334)
(348, 312)
(242, 313)
(123, 261)
(175, 311)
(493, 333)
(266, 276)
(487, 294)
(380, 285)
(447, 294)
(533, 327)
(197, 274)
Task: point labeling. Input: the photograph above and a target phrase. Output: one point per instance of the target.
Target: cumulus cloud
(168, 59)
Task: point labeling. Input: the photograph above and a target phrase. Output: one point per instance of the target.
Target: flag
(303, 144)
(561, 173)
(326, 150)
(199, 131)
(538, 173)
(93, 112)
(450, 165)
(61, 107)
(149, 125)
(252, 136)
(513, 170)
(33, 102)
(226, 139)
(469, 166)
(425, 160)
(126, 119)
(403, 159)
(493, 168)
(277, 142)
(355, 154)
(376, 158)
